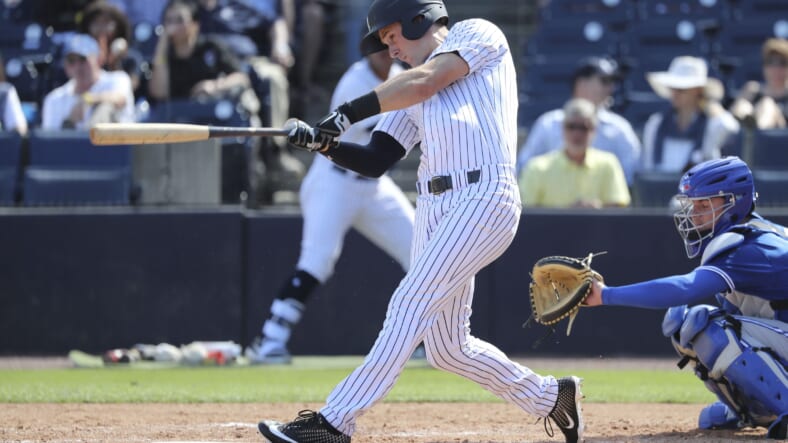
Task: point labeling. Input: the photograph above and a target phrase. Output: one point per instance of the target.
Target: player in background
(334, 199)
(739, 349)
(459, 103)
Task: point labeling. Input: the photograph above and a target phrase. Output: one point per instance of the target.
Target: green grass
(310, 380)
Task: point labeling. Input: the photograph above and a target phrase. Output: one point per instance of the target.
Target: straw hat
(685, 72)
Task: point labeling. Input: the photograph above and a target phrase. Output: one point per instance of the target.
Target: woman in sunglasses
(765, 105)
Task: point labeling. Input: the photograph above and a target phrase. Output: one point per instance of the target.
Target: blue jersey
(746, 266)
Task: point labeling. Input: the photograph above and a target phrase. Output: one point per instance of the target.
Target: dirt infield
(384, 423)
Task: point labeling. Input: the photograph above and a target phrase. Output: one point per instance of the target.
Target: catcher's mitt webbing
(559, 285)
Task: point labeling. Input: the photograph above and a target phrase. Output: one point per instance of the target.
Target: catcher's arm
(595, 297)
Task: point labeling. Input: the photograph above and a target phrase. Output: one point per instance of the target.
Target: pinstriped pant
(456, 235)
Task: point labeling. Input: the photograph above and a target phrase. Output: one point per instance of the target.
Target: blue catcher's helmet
(416, 17)
(729, 178)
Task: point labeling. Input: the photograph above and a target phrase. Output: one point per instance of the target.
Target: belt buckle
(439, 184)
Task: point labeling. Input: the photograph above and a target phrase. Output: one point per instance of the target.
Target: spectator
(62, 15)
(765, 105)
(110, 27)
(91, 95)
(578, 175)
(12, 118)
(307, 24)
(257, 31)
(696, 128)
(189, 65)
(593, 80)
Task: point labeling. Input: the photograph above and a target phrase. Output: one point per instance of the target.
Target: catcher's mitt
(559, 285)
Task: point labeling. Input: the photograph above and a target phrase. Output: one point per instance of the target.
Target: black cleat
(566, 413)
(308, 427)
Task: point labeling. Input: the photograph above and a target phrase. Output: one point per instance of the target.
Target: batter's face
(412, 52)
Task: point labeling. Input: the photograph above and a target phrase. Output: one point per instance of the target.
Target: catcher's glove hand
(559, 285)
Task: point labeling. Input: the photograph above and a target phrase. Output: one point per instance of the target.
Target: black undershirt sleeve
(370, 160)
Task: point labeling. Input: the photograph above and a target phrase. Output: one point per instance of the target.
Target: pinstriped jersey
(472, 122)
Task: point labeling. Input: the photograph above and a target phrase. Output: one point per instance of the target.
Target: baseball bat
(150, 133)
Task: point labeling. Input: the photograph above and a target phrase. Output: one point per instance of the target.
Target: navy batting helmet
(416, 17)
(727, 177)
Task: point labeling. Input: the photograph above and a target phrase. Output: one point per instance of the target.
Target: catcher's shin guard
(748, 379)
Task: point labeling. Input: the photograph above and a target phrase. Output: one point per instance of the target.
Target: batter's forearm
(371, 160)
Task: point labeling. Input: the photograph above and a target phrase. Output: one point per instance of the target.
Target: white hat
(685, 72)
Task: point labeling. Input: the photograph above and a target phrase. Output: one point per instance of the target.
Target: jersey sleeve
(676, 290)
(476, 41)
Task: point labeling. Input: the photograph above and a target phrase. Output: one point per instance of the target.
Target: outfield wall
(96, 279)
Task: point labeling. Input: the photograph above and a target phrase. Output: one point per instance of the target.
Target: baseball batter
(459, 102)
(334, 199)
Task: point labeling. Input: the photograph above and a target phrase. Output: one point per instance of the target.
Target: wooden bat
(151, 133)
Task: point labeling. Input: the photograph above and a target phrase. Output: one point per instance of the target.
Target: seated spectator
(12, 118)
(308, 29)
(593, 80)
(696, 128)
(110, 27)
(187, 64)
(577, 175)
(257, 31)
(765, 105)
(91, 95)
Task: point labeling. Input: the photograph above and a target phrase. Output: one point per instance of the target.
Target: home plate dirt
(384, 423)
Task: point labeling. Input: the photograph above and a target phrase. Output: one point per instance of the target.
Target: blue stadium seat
(745, 38)
(26, 70)
(10, 154)
(611, 12)
(549, 76)
(668, 35)
(572, 36)
(145, 36)
(207, 112)
(638, 107)
(772, 187)
(66, 169)
(654, 189)
(770, 150)
(691, 9)
(750, 9)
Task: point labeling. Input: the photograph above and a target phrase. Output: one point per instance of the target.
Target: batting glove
(335, 123)
(306, 137)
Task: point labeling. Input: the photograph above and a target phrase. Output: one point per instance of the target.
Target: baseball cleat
(567, 413)
(267, 352)
(308, 427)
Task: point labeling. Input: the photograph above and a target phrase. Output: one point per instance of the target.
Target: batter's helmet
(727, 177)
(416, 17)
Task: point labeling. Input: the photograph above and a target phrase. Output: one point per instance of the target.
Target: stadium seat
(572, 36)
(614, 13)
(638, 107)
(667, 35)
(654, 189)
(66, 169)
(145, 36)
(745, 38)
(690, 9)
(26, 70)
(549, 76)
(772, 187)
(770, 150)
(205, 112)
(10, 154)
(753, 9)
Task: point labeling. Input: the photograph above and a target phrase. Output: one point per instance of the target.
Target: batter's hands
(334, 124)
(306, 137)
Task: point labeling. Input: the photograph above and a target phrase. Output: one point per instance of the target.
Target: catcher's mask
(729, 178)
(416, 17)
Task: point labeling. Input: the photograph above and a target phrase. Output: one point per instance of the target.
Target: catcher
(739, 349)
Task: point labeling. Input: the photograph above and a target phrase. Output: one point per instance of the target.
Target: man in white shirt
(91, 95)
(593, 80)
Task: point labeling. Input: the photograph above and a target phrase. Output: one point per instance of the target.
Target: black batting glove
(303, 136)
(335, 123)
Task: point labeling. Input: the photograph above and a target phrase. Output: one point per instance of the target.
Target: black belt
(441, 183)
(342, 170)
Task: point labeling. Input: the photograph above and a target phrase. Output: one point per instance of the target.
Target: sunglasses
(73, 59)
(577, 127)
(776, 61)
